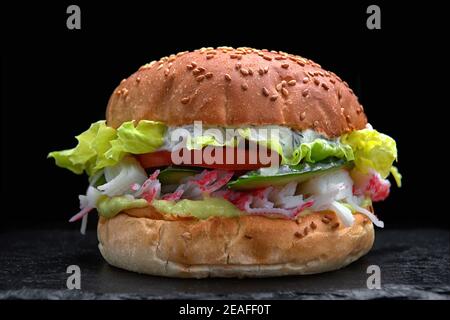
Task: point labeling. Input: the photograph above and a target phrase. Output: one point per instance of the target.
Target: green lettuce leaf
(372, 150)
(109, 207)
(146, 137)
(101, 146)
(397, 176)
(313, 151)
(319, 150)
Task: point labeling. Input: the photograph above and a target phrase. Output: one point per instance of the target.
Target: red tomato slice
(164, 158)
(154, 159)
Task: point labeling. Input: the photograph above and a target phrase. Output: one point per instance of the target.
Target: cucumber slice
(286, 174)
(174, 175)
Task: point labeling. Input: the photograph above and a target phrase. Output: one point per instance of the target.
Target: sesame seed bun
(236, 87)
(247, 246)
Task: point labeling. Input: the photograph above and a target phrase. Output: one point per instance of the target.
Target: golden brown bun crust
(249, 246)
(236, 87)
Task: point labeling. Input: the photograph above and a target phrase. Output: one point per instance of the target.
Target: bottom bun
(248, 246)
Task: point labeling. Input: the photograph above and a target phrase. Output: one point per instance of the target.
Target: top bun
(236, 87)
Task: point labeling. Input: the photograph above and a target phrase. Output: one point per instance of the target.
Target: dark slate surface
(414, 264)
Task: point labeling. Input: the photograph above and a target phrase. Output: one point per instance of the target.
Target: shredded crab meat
(261, 201)
(325, 192)
(371, 185)
(150, 189)
(121, 176)
(204, 183)
(84, 211)
(331, 188)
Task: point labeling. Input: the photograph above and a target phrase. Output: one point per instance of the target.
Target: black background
(55, 82)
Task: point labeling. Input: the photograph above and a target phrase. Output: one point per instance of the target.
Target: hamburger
(226, 162)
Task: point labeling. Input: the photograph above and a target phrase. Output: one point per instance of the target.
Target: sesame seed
(332, 81)
(244, 72)
(328, 217)
(166, 72)
(265, 91)
(200, 78)
(311, 73)
(170, 65)
(284, 83)
(365, 220)
(305, 80)
(266, 69)
(303, 115)
(320, 73)
(274, 97)
(347, 117)
(315, 123)
(250, 71)
(201, 69)
(208, 75)
(342, 110)
(285, 92)
(358, 110)
(119, 92)
(138, 79)
(248, 237)
(209, 56)
(313, 225)
(292, 82)
(339, 95)
(280, 58)
(227, 77)
(189, 67)
(193, 64)
(196, 72)
(261, 71)
(278, 87)
(324, 85)
(345, 84)
(185, 100)
(301, 63)
(123, 80)
(187, 236)
(233, 56)
(244, 86)
(305, 231)
(238, 66)
(326, 221)
(335, 225)
(285, 65)
(316, 82)
(298, 234)
(305, 92)
(267, 58)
